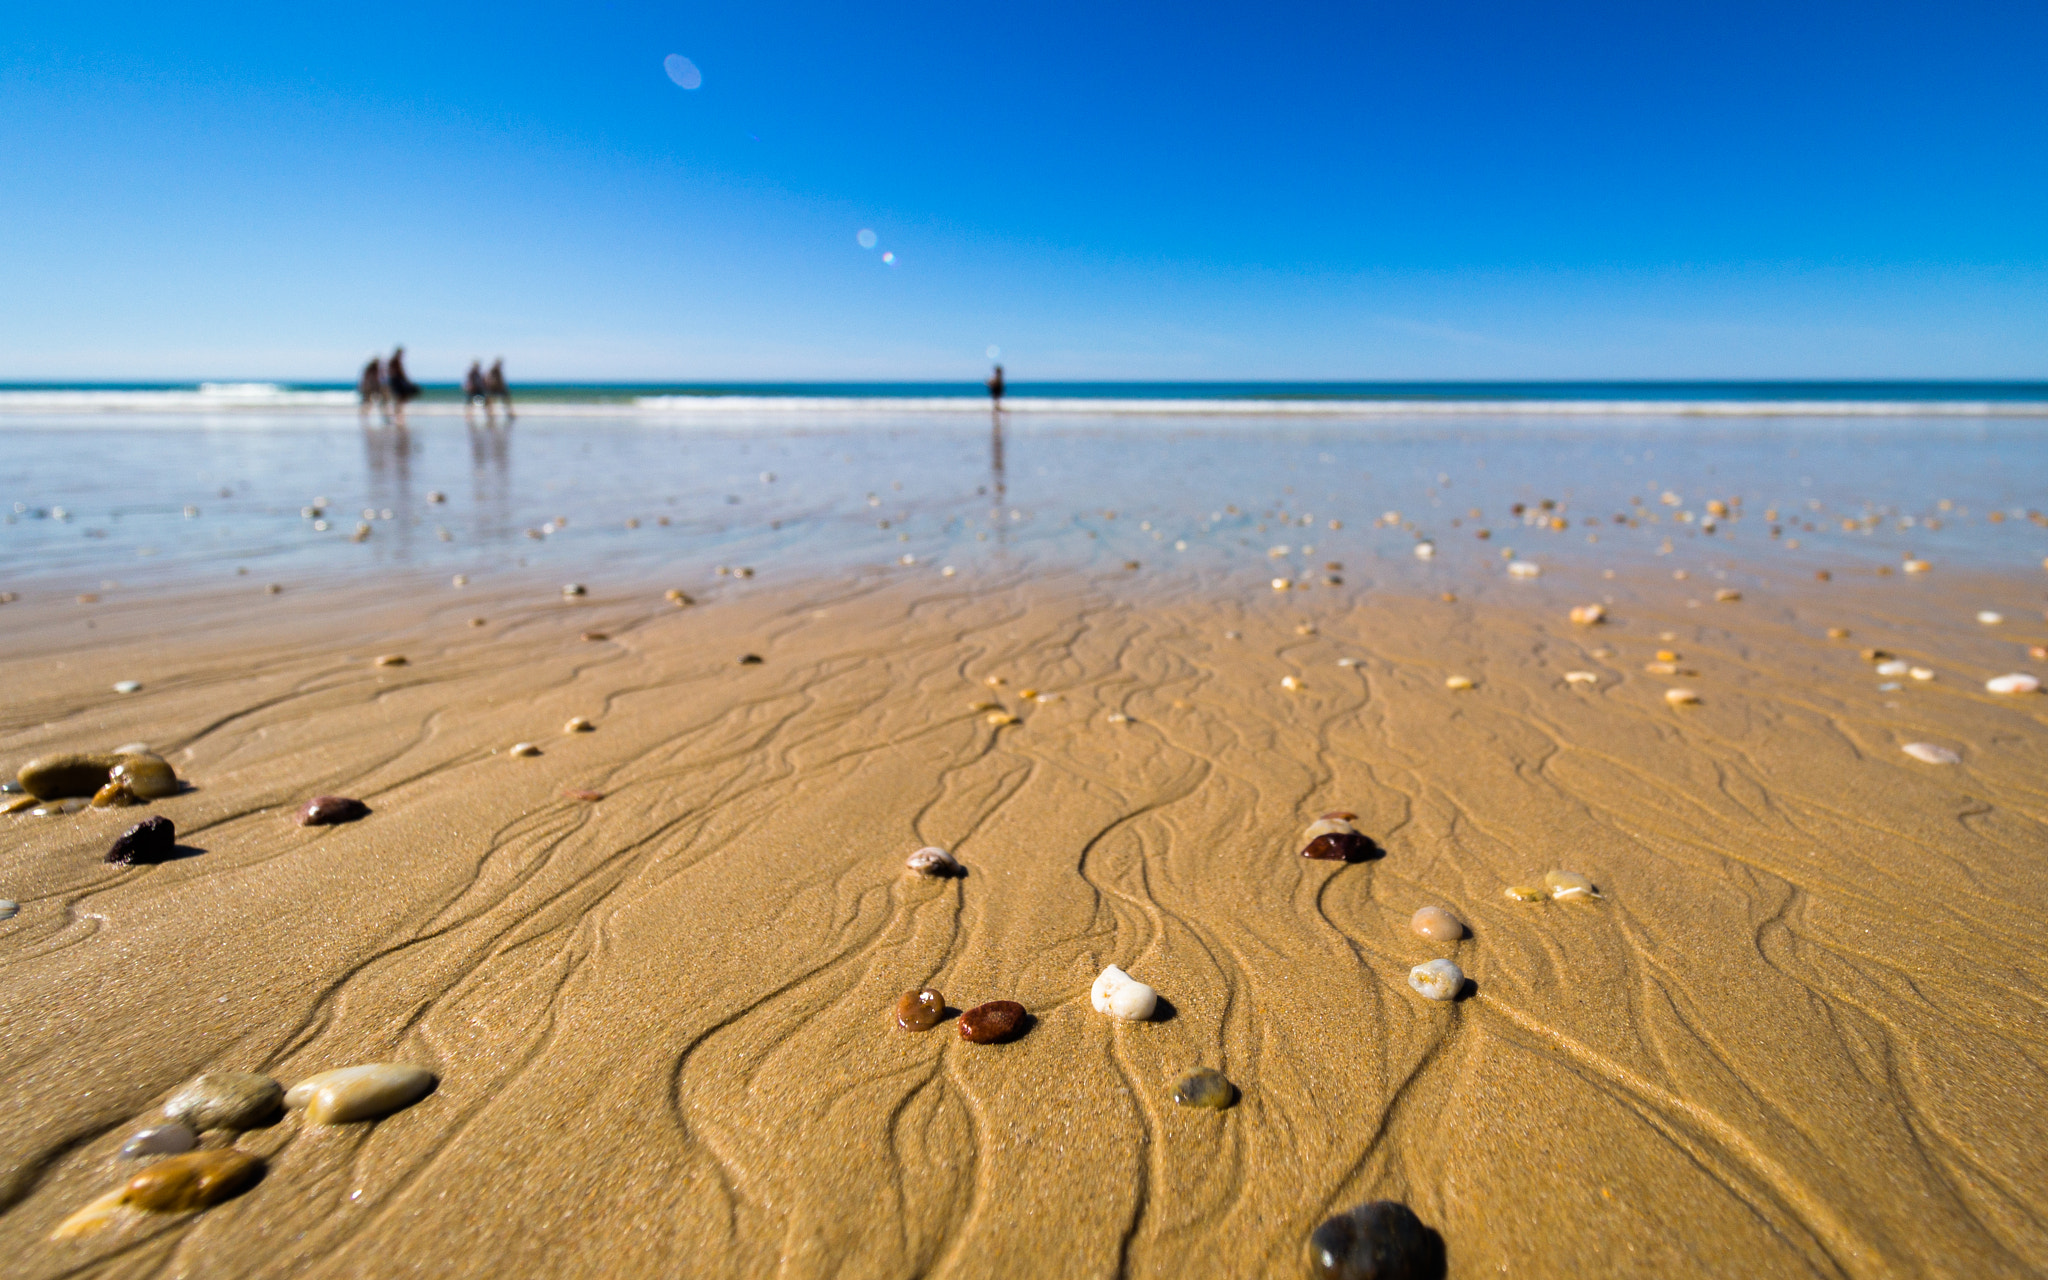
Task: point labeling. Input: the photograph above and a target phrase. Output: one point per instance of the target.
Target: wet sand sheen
(1798, 1033)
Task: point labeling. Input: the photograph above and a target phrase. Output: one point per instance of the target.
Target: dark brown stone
(750, 659)
(150, 840)
(1383, 1240)
(592, 796)
(1338, 846)
(988, 1023)
(323, 811)
(920, 1010)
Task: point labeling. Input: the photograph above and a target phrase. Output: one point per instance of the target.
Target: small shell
(1928, 753)
(1205, 1087)
(1581, 677)
(391, 660)
(1727, 595)
(1921, 673)
(1587, 615)
(1893, 668)
(128, 686)
(1328, 827)
(1527, 893)
(573, 589)
(1290, 682)
(1123, 997)
(933, 861)
(1425, 550)
(1681, 697)
(1458, 682)
(1565, 885)
(1916, 566)
(577, 724)
(1524, 569)
(1437, 979)
(1985, 616)
(2018, 682)
(1000, 719)
(1437, 924)
(524, 749)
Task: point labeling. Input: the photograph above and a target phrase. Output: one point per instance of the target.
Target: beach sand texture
(1800, 1033)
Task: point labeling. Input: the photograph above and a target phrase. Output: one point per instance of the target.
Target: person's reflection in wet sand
(995, 473)
(490, 464)
(388, 453)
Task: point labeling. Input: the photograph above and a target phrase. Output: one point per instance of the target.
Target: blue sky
(1140, 191)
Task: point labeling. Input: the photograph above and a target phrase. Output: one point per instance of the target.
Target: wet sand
(1800, 1034)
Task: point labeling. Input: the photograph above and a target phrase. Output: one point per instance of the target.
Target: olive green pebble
(1205, 1087)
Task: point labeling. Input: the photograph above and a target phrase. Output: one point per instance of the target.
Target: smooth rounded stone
(1727, 595)
(1000, 719)
(524, 749)
(1564, 885)
(580, 793)
(1524, 569)
(61, 776)
(1581, 677)
(1988, 617)
(1383, 1240)
(1681, 697)
(1928, 753)
(325, 811)
(1896, 667)
(1921, 673)
(1338, 846)
(115, 795)
(366, 1092)
(148, 775)
(227, 1100)
(1425, 550)
(178, 1184)
(578, 724)
(1437, 979)
(1327, 827)
(128, 686)
(574, 589)
(9, 908)
(933, 861)
(1588, 615)
(1437, 924)
(1205, 1087)
(1528, 893)
(750, 659)
(988, 1023)
(1122, 997)
(2018, 682)
(1458, 682)
(159, 1140)
(920, 1010)
(150, 840)
(391, 660)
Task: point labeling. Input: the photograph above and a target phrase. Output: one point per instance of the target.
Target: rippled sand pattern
(1802, 1033)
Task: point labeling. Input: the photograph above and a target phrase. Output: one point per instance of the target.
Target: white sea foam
(1350, 408)
(206, 398)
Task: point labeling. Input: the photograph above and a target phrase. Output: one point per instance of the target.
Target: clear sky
(1364, 190)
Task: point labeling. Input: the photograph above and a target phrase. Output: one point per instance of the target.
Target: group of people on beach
(385, 385)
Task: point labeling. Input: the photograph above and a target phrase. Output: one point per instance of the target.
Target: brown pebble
(1449, 597)
(921, 1010)
(1437, 924)
(750, 659)
(592, 796)
(150, 840)
(195, 1180)
(1838, 633)
(1822, 575)
(596, 635)
(391, 660)
(988, 1023)
(1338, 846)
(115, 795)
(322, 811)
(476, 622)
(1877, 655)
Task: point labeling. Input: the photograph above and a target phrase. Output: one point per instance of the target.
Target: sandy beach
(1797, 1033)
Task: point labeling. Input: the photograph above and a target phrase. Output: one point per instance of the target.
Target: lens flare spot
(889, 259)
(683, 71)
(994, 352)
(865, 238)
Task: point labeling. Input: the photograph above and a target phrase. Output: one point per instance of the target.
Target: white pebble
(1922, 673)
(2018, 682)
(1425, 550)
(1681, 697)
(1581, 677)
(1894, 668)
(1457, 682)
(1524, 569)
(1438, 980)
(1928, 753)
(1347, 662)
(128, 686)
(525, 749)
(1118, 717)
(1121, 996)
(1290, 682)
(1989, 618)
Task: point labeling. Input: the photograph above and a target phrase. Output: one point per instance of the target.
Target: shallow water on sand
(168, 501)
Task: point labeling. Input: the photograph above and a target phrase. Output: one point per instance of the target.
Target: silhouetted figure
(495, 388)
(473, 390)
(400, 387)
(995, 386)
(370, 390)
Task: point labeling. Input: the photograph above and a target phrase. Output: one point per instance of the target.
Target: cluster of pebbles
(185, 1176)
(69, 783)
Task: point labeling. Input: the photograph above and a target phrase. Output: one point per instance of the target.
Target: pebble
(1916, 566)
(577, 724)
(524, 749)
(1928, 753)
(1205, 1087)
(461, 580)
(1838, 633)
(1425, 550)
(678, 598)
(1437, 979)
(9, 908)
(17, 804)
(150, 840)
(573, 589)
(988, 1023)
(920, 1010)
(1328, 827)
(135, 686)
(750, 659)
(1437, 924)
(159, 1140)
(1524, 569)
(1568, 884)
(1290, 682)
(1921, 673)
(226, 1100)
(592, 796)
(59, 776)
(1001, 718)
(597, 635)
(1587, 615)
(179, 1184)
(1347, 662)
(325, 811)
(115, 795)
(1123, 997)
(2018, 682)
(1661, 668)
(1458, 682)
(1338, 846)
(1727, 595)
(366, 1092)
(1581, 677)
(933, 861)
(148, 776)
(1118, 717)
(1985, 616)
(1527, 892)
(1893, 668)
(1681, 697)
(391, 660)
(1383, 1240)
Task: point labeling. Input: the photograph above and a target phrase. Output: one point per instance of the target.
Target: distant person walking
(495, 388)
(370, 390)
(995, 386)
(398, 386)
(474, 389)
